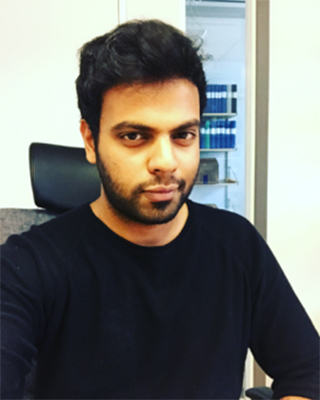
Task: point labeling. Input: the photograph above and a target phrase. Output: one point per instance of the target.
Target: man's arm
(22, 318)
(283, 340)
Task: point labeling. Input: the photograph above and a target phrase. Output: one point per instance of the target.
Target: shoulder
(222, 223)
(232, 236)
(66, 226)
(51, 239)
(37, 260)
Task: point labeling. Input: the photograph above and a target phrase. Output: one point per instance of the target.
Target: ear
(88, 141)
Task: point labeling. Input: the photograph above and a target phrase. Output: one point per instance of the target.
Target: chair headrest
(61, 177)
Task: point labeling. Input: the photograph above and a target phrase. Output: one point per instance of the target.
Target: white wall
(39, 40)
(294, 146)
(169, 11)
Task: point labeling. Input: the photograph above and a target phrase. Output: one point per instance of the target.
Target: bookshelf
(211, 174)
(221, 30)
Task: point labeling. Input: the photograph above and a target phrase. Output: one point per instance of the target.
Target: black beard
(129, 208)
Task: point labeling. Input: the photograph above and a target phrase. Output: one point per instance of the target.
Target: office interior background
(39, 40)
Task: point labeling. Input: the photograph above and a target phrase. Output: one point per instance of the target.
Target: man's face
(148, 149)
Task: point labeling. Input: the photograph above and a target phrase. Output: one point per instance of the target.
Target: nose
(162, 156)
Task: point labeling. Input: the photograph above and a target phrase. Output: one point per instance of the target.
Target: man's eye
(185, 135)
(133, 136)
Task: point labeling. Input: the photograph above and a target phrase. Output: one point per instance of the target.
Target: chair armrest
(260, 393)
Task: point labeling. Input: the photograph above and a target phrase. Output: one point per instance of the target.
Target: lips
(160, 193)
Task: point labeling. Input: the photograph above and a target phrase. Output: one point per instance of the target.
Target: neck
(138, 233)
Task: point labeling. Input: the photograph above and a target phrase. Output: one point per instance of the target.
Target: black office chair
(61, 179)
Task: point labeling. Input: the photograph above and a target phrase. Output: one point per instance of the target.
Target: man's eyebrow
(131, 125)
(144, 128)
(189, 124)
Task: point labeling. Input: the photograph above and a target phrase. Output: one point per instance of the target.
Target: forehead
(172, 101)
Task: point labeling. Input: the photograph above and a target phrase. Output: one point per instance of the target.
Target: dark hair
(135, 52)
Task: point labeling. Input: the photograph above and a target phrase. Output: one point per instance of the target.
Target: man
(143, 293)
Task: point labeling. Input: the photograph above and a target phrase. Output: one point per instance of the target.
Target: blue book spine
(224, 131)
(219, 98)
(228, 138)
(218, 133)
(223, 98)
(221, 133)
(214, 98)
(213, 134)
(211, 98)
(233, 134)
(207, 135)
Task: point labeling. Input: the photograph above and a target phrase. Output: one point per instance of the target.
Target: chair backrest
(61, 179)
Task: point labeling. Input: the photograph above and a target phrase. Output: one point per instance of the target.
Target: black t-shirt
(104, 318)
